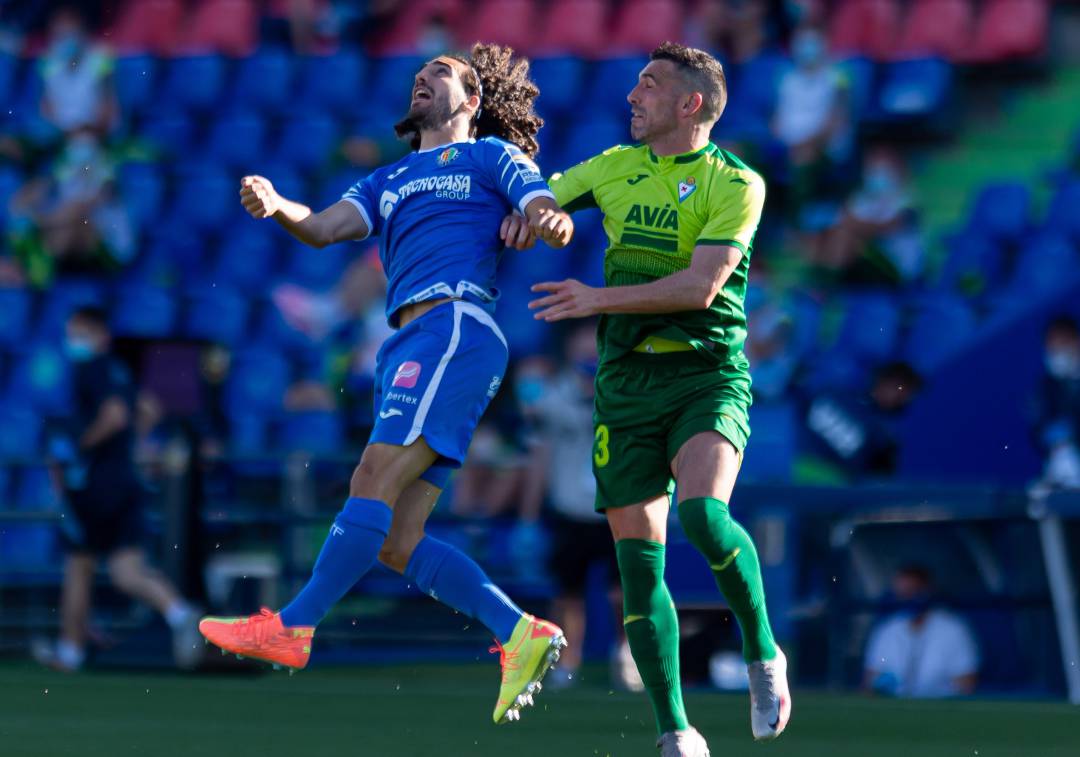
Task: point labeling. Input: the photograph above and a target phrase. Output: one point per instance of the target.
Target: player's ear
(692, 104)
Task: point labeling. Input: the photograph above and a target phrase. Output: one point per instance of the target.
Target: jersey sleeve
(574, 188)
(735, 213)
(364, 196)
(515, 174)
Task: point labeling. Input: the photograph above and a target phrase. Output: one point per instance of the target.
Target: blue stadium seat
(1002, 212)
(142, 187)
(169, 129)
(248, 257)
(136, 83)
(249, 434)
(143, 310)
(870, 327)
(560, 80)
(285, 178)
(309, 140)
(861, 76)
(34, 490)
(392, 81)
(65, 296)
(593, 136)
(772, 456)
(42, 378)
(205, 197)
(316, 432)
(11, 181)
(612, 80)
(15, 306)
(20, 430)
(28, 547)
(263, 81)
(335, 82)
(974, 265)
(317, 269)
(941, 325)
(9, 77)
(757, 82)
(238, 139)
(196, 82)
(216, 314)
(916, 88)
(257, 384)
(1062, 217)
(1044, 265)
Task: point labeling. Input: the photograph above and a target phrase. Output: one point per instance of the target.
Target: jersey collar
(686, 157)
(469, 141)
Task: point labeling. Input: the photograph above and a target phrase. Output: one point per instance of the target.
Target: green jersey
(657, 209)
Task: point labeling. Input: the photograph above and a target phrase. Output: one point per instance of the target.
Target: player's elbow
(701, 295)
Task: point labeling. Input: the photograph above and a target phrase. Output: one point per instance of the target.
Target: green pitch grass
(424, 711)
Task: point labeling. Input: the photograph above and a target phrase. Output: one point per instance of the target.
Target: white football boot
(770, 698)
(688, 743)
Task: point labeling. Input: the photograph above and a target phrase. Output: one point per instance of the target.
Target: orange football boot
(261, 637)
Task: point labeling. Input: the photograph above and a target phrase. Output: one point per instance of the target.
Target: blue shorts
(434, 378)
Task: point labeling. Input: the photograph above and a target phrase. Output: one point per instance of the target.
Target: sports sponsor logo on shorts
(408, 373)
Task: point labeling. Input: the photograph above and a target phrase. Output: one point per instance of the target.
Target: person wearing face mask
(1058, 404)
(103, 493)
(921, 650)
(76, 77)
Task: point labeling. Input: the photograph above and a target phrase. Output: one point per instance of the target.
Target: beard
(431, 115)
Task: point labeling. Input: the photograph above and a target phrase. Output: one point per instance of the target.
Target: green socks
(652, 628)
(734, 562)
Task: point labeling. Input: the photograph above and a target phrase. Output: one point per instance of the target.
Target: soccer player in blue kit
(438, 214)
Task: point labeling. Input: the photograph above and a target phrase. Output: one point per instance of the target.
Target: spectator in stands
(76, 77)
(103, 491)
(769, 349)
(921, 650)
(812, 116)
(859, 435)
(558, 410)
(1057, 417)
(71, 219)
(876, 239)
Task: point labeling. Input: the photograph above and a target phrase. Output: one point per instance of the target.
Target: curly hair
(506, 98)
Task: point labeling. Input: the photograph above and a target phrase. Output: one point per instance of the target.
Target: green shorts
(647, 407)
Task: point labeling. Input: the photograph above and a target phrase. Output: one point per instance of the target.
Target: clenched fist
(553, 226)
(259, 197)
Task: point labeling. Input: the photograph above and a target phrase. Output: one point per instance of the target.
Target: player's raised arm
(549, 222)
(340, 222)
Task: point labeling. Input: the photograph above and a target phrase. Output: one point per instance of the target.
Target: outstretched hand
(565, 299)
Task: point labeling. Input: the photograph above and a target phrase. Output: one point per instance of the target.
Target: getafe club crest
(687, 187)
(448, 155)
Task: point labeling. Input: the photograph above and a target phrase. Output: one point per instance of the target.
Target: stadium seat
(1045, 264)
(1010, 29)
(974, 265)
(335, 82)
(142, 188)
(9, 77)
(505, 22)
(937, 28)
(916, 88)
(308, 141)
(15, 307)
(560, 80)
(391, 84)
(576, 27)
(205, 196)
(942, 324)
(136, 81)
(148, 26)
(756, 81)
(612, 80)
(1062, 217)
(317, 269)
(864, 28)
(249, 434)
(225, 26)
(405, 29)
(257, 384)
(264, 81)
(776, 430)
(64, 296)
(20, 430)
(1002, 212)
(34, 490)
(217, 314)
(195, 82)
(640, 25)
(861, 74)
(315, 432)
(870, 327)
(168, 129)
(41, 377)
(143, 310)
(593, 136)
(247, 259)
(238, 140)
(11, 181)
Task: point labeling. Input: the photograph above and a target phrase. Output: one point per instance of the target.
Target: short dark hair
(701, 71)
(901, 372)
(92, 314)
(917, 572)
(1063, 324)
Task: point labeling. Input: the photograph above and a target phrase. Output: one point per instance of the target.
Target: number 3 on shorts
(601, 453)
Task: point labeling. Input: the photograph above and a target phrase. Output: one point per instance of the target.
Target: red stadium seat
(506, 22)
(940, 28)
(224, 26)
(148, 26)
(577, 27)
(1011, 29)
(403, 33)
(865, 28)
(643, 24)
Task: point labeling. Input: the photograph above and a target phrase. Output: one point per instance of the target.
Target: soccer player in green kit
(673, 385)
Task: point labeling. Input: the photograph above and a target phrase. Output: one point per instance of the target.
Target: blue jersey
(437, 214)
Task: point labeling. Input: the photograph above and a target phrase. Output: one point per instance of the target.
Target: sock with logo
(348, 553)
(453, 578)
(734, 562)
(652, 629)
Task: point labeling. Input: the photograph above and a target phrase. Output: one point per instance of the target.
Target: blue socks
(349, 552)
(451, 577)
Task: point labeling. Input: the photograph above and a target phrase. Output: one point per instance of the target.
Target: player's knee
(396, 552)
(374, 479)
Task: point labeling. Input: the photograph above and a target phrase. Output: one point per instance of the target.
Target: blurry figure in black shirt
(104, 496)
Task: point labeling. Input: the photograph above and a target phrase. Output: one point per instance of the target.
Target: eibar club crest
(448, 155)
(687, 187)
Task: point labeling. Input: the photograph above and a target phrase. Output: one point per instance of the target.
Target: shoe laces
(258, 625)
(507, 659)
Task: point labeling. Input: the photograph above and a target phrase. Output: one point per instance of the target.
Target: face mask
(913, 607)
(1063, 364)
(880, 181)
(807, 50)
(79, 349)
(529, 390)
(68, 47)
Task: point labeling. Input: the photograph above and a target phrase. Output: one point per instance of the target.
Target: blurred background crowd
(912, 311)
